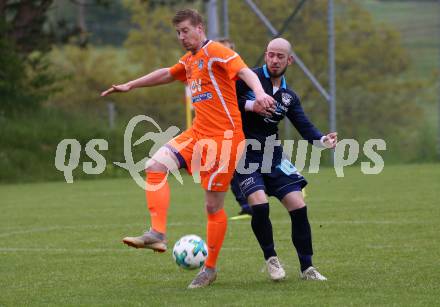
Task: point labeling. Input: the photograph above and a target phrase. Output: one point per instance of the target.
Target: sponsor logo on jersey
(201, 97)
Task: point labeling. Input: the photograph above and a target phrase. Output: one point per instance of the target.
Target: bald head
(279, 45)
(278, 57)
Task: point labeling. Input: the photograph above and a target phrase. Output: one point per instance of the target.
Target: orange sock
(215, 233)
(158, 201)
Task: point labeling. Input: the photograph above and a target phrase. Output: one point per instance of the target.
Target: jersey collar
(266, 74)
(205, 43)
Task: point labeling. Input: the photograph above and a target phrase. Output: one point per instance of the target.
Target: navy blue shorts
(283, 179)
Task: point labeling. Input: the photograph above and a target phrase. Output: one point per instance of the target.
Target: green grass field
(375, 238)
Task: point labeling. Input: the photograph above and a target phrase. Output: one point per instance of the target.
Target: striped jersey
(210, 75)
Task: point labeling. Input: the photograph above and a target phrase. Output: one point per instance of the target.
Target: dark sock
(262, 228)
(305, 261)
(302, 237)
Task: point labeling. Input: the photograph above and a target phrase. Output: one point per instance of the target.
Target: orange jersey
(211, 75)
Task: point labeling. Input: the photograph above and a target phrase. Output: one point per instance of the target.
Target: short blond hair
(188, 14)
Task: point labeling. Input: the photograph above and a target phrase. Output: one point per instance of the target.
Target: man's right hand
(116, 88)
(264, 104)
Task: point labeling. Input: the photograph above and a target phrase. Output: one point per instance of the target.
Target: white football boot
(312, 274)
(274, 268)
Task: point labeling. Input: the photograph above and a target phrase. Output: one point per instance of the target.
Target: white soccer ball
(190, 252)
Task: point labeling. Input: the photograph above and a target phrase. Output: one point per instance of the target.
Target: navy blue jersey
(259, 127)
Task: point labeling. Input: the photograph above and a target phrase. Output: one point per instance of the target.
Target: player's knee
(156, 167)
(162, 161)
(212, 206)
(256, 198)
(293, 201)
(298, 204)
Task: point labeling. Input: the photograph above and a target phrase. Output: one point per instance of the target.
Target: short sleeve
(178, 71)
(234, 65)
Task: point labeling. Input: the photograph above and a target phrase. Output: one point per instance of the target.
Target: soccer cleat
(244, 214)
(147, 240)
(311, 274)
(203, 279)
(274, 268)
(240, 217)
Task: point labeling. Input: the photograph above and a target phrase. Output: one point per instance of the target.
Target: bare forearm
(251, 80)
(264, 102)
(157, 77)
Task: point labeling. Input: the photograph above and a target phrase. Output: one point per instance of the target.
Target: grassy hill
(419, 25)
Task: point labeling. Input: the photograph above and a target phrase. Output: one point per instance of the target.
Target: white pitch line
(62, 250)
(76, 227)
(178, 224)
(84, 250)
(53, 228)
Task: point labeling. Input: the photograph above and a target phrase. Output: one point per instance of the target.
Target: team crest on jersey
(286, 99)
(200, 65)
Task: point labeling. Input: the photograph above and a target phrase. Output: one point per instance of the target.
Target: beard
(276, 75)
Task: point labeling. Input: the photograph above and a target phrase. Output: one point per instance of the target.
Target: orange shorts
(210, 159)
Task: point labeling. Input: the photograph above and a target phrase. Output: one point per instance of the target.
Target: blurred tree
(83, 21)
(152, 4)
(25, 20)
(108, 24)
(92, 70)
(373, 98)
(370, 61)
(11, 73)
(370, 66)
(26, 76)
(25, 79)
(87, 72)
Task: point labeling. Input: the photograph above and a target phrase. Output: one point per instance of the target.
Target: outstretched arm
(305, 127)
(157, 77)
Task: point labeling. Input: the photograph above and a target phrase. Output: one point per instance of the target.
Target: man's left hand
(330, 140)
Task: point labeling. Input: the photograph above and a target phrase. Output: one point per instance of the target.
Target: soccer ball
(190, 252)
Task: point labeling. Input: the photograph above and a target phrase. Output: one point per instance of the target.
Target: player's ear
(200, 28)
(290, 60)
